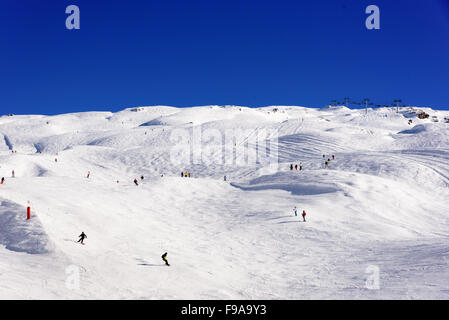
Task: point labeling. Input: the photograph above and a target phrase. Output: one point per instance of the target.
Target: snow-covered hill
(381, 205)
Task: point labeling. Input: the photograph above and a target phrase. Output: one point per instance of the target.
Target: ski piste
(381, 202)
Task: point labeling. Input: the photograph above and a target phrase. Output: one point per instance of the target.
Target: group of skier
(141, 179)
(296, 167)
(83, 236)
(185, 174)
(326, 162)
(13, 175)
(295, 211)
(135, 179)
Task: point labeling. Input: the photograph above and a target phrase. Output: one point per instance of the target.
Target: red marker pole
(28, 213)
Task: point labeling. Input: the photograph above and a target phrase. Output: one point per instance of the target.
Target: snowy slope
(382, 203)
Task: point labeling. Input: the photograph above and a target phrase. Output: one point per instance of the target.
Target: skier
(185, 174)
(141, 178)
(164, 257)
(333, 157)
(325, 164)
(182, 174)
(88, 174)
(82, 237)
(291, 167)
(304, 215)
(56, 160)
(295, 211)
(135, 181)
(189, 174)
(224, 178)
(300, 166)
(3, 180)
(296, 167)
(13, 175)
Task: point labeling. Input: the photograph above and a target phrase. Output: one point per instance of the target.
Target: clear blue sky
(199, 52)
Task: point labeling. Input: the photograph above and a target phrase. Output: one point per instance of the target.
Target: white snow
(382, 204)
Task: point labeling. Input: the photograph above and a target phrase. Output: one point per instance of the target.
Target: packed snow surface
(377, 223)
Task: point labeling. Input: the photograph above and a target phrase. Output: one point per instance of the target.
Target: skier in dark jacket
(164, 257)
(291, 167)
(82, 237)
(3, 180)
(135, 181)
